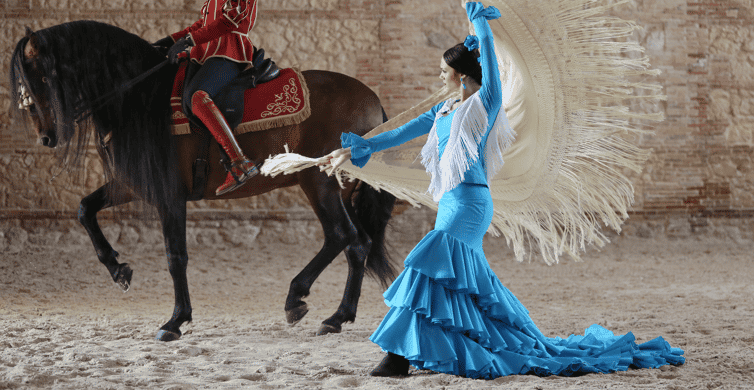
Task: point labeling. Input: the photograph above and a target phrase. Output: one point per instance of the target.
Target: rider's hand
(180, 46)
(164, 44)
(335, 160)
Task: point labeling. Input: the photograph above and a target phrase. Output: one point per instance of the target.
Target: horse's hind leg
(87, 215)
(324, 196)
(369, 211)
(356, 255)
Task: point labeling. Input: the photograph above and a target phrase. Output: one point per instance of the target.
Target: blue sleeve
(491, 91)
(362, 149)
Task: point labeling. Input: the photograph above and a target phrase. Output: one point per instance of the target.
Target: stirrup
(238, 173)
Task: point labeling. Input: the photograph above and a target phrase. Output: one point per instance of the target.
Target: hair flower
(471, 42)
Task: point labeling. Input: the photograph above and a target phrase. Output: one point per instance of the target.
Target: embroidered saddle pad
(283, 101)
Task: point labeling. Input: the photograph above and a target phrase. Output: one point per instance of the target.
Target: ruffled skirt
(450, 313)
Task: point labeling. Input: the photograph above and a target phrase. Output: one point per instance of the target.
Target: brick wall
(701, 165)
(702, 160)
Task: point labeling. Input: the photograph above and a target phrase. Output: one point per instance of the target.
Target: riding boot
(391, 365)
(241, 168)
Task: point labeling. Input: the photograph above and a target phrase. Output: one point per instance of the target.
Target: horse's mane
(86, 60)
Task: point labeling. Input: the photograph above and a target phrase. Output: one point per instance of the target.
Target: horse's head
(69, 80)
(31, 87)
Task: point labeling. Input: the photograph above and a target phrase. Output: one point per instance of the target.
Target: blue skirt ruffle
(451, 314)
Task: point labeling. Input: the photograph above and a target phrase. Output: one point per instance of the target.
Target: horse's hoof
(166, 335)
(296, 314)
(123, 277)
(327, 329)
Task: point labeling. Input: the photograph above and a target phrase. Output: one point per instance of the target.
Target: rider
(221, 51)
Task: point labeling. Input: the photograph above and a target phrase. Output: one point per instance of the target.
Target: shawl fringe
(467, 132)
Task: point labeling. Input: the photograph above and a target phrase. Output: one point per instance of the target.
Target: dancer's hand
(334, 160)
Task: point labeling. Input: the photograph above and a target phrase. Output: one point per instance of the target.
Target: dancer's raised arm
(491, 91)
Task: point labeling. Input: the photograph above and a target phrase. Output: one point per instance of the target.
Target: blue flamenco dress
(449, 312)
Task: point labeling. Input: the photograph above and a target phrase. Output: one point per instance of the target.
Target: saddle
(273, 97)
(263, 70)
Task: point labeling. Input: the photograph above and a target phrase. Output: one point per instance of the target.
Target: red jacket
(222, 31)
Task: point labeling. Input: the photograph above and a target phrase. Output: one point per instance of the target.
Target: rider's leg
(241, 168)
(205, 84)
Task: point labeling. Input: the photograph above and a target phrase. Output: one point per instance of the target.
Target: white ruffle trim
(467, 132)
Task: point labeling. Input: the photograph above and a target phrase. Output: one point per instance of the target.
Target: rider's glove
(180, 46)
(164, 44)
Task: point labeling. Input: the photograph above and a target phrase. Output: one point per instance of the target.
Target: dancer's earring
(463, 83)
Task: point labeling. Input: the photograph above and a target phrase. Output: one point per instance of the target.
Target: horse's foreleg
(88, 209)
(324, 196)
(174, 232)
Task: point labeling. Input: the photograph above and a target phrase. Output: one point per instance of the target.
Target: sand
(65, 325)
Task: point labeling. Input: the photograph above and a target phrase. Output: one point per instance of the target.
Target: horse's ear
(32, 46)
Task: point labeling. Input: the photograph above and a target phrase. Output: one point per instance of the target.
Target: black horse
(60, 75)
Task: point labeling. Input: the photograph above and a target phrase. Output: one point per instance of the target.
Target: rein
(106, 98)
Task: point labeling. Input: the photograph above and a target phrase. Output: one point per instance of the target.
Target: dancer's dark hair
(464, 61)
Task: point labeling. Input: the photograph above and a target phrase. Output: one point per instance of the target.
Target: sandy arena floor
(65, 325)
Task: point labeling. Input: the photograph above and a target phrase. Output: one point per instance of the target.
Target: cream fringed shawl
(566, 80)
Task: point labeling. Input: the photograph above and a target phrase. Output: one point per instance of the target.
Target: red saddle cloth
(283, 101)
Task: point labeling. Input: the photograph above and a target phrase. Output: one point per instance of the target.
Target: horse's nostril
(45, 141)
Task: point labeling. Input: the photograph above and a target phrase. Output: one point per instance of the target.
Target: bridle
(25, 101)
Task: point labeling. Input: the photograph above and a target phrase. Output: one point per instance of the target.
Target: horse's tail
(374, 209)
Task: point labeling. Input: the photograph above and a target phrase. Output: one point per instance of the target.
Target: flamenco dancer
(448, 311)
(221, 51)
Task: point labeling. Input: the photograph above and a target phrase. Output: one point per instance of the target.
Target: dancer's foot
(391, 365)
